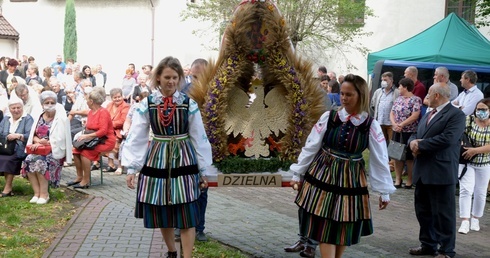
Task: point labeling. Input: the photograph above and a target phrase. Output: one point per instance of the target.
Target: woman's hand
(469, 153)
(85, 137)
(43, 141)
(130, 181)
(13, 136)
(383, 205)
(203, 182)
(295, 185)
(397, 128)
(35, 146)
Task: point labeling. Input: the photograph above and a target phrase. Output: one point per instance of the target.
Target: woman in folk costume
(333, 197)
(178, 155)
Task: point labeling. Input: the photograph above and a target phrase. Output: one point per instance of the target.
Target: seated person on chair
(99, 122)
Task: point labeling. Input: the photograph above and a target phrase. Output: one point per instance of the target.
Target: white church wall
(112, 33)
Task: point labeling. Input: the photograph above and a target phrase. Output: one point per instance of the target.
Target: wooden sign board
(255, 180)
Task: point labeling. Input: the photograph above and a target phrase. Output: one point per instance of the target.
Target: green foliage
(238, 165)
(482, 13)
(70, 42)
(313, 24)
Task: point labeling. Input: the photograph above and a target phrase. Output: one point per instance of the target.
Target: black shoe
(297, 247)
(79, 186)
(171, 255)
(109, 169)
(422, 251)
(9, 194)
(201, 236)
(400, 185)
(307, 252)
(72, 183)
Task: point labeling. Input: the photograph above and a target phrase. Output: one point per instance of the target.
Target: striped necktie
(431, 114)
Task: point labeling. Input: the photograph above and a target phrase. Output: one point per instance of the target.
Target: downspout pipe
(152, 33)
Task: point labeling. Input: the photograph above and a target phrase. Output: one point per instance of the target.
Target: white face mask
(49, 108)
(384, 84)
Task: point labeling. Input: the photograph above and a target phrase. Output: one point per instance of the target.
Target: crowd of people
(152, 128)
(64, 117)
(331, 178)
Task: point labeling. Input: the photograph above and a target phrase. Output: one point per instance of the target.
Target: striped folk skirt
(183, 215)
(334, 199)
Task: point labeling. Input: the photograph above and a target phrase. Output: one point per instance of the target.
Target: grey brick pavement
(258, 221)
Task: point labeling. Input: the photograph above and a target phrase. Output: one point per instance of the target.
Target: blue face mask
(482, 114)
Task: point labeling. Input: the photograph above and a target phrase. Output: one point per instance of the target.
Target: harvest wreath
(257, 37)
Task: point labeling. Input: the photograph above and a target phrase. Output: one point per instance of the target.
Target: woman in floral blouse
(404, 118)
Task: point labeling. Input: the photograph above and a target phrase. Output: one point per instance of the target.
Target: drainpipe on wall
(152, 32)
(17, 49)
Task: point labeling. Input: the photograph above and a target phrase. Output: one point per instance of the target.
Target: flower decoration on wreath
(283, 68)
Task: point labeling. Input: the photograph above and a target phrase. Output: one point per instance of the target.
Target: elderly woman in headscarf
(15, 127)
(50, 130)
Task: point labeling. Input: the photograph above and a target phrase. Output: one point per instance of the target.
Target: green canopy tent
(451, 40)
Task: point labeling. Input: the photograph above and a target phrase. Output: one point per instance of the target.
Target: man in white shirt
(382, 102)
(79, 111)
(32, 104)
(467, 99)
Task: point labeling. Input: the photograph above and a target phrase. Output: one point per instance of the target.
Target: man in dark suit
(436, 150)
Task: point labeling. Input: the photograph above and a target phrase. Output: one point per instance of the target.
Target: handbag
(42, 150)
(397, 150)
(88, 144)
(7, 147)
(465, 142)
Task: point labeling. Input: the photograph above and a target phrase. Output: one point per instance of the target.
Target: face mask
(49, 108)
(482, 114)
(384, 84)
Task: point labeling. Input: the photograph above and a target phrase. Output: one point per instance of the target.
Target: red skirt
(93, 155)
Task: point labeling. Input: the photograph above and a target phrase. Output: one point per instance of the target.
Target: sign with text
(261, 180)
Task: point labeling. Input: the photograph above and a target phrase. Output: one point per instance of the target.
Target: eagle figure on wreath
(259, 99)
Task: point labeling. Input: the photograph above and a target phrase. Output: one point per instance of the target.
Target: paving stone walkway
(258, 221)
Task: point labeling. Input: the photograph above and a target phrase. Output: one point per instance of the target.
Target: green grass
(214, 249)
(27, 230)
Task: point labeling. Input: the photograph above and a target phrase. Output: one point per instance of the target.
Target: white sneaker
(42, 200)
(475, 224)
(34, 199)
(465, 227)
